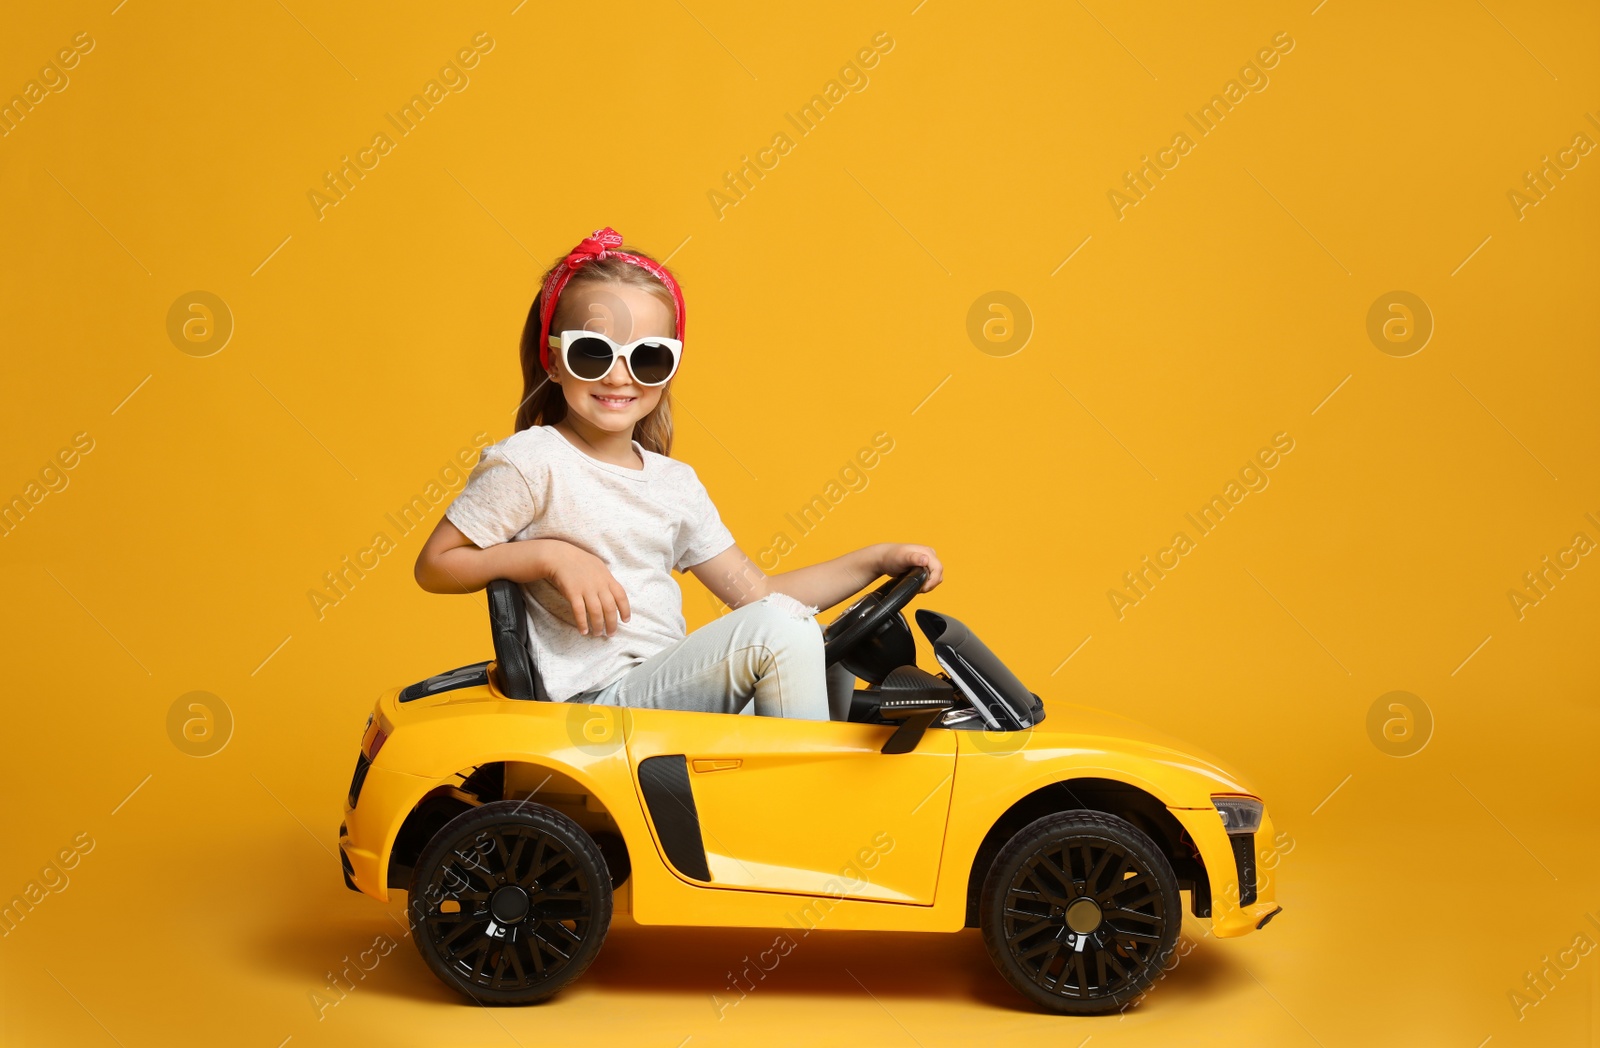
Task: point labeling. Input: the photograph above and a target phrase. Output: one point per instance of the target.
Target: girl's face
(623, 312)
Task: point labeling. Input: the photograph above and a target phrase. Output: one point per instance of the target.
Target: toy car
(517, 826)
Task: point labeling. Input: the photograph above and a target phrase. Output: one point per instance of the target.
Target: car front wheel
(510, 902)
(1080, 912)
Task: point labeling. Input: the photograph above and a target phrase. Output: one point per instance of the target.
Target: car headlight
(1240, 815)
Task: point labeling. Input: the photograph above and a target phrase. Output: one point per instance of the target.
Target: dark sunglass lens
(589, 358)
(652, 363)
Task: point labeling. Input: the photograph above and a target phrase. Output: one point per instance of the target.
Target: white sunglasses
(589, 355)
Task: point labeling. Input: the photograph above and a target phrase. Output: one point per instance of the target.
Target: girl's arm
(736, 579)
(452, 563)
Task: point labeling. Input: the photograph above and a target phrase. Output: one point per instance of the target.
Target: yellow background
(373, 343)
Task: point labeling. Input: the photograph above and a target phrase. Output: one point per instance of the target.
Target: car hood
(1069, 721)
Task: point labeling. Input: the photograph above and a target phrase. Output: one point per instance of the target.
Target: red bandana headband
(597, 245)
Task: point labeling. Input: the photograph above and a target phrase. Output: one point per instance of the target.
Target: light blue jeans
(764, 658)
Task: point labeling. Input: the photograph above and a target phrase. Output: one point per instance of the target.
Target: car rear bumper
(369, 828)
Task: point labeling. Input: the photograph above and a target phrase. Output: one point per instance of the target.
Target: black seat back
(515, 675)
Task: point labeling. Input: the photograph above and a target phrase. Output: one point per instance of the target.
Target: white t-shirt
(643, 523)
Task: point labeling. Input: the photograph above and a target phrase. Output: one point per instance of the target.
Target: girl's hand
(597, 598)
(901, 557)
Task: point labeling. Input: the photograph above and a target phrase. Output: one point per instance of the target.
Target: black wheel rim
(1085, 918)
(508, 908)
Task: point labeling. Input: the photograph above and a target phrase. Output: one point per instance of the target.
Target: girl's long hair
(543, 403)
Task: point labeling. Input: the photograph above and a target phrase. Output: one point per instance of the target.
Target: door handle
(705, 764)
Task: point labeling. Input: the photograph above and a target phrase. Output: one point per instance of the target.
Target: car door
(774, 804)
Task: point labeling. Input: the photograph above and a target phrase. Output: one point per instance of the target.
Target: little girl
(583, 506)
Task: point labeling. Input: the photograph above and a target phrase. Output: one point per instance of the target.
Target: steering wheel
(867, 615)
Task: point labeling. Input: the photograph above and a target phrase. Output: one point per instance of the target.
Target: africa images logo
(1253, 477)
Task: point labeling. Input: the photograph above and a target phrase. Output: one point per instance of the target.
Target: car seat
(514, 672)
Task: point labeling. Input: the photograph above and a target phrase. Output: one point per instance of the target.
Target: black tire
(1060, 951)
(510, 902)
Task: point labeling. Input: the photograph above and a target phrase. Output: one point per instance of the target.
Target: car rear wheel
(510, 902)
(1080, 912)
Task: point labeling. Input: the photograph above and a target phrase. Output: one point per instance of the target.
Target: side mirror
(911, 698)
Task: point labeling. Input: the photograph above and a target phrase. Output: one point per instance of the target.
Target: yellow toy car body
(708, 819)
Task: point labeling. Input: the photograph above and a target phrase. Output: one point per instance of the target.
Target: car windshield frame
(1005, 703)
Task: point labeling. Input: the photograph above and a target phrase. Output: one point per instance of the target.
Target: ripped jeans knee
(782, 601)
(790, 625)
